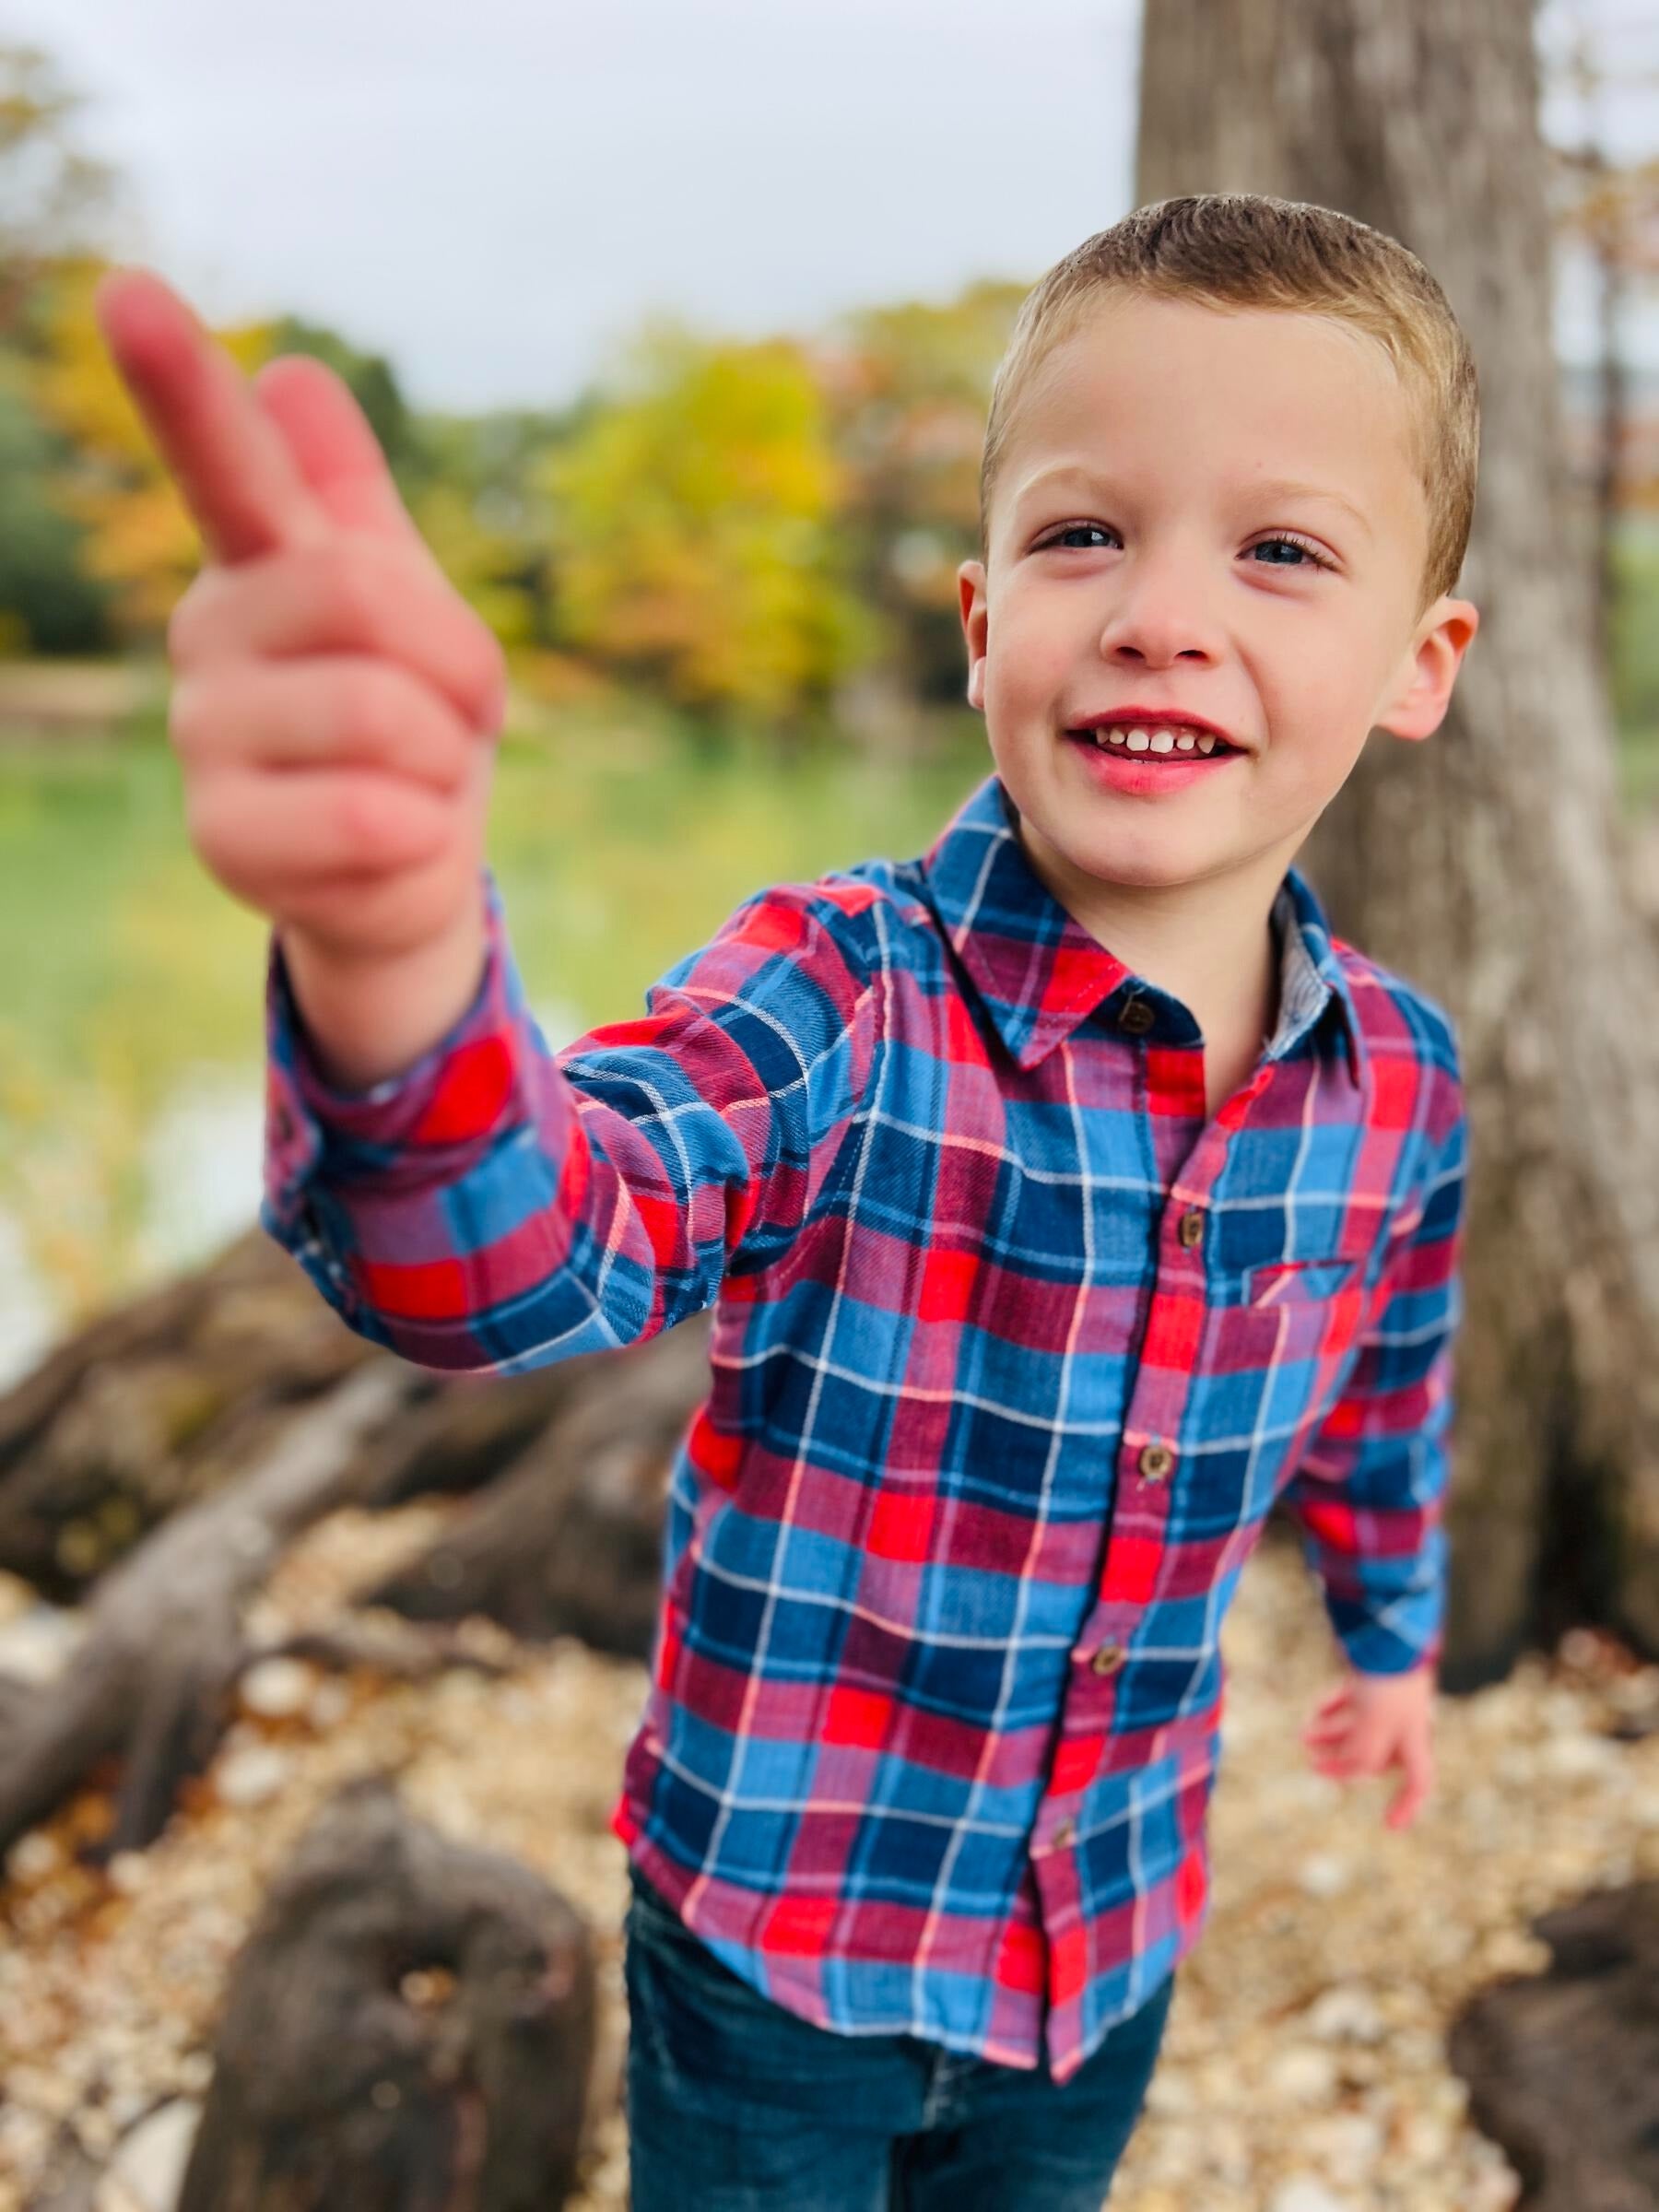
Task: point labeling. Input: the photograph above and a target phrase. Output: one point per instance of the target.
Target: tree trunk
(1490, 864)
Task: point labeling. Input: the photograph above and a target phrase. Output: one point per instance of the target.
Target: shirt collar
(1039, 973)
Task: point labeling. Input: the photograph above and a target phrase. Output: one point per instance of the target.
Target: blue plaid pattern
(1015, 1348)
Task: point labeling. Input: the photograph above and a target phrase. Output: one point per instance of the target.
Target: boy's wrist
(370, 1020)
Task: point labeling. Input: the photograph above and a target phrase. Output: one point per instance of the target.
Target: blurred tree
(443, 466)
(140, 541)
(693, 528)
(1611, 205)
(53, 199)
(472, 485)
(48, 603)
(369, 377)
(908, 387)
(1491, 864)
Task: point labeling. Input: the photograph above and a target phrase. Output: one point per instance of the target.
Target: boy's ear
(971, 586)
(1416, 704)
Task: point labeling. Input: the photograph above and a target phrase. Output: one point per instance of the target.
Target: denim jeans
(735, 2104)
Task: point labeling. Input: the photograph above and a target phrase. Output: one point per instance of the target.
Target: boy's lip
(1156, 718)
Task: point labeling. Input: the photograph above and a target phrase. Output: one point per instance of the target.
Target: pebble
(16, 1596)
(1302, 2074)
(329, 1703)
(128, 1871)
(277, 1687)
(32, 1857)
(1347, 2145)
(1568, 1758)
(250, 1776)
(1346, 2014)
(148, 2169)
(38, 1645)
(1302, 2192)
(1324, 1875)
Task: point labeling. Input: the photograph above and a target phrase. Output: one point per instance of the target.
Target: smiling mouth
(1151, 742)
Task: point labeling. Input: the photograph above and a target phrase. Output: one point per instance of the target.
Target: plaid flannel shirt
(1014, 1349)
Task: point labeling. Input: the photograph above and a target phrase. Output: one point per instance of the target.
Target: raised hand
(336, 700)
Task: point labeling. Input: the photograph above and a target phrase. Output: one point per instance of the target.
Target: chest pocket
(1294, 1282)
(1298, 1310)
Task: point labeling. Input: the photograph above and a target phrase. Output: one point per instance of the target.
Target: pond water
(131, 1038)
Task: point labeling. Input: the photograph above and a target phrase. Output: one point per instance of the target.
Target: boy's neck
(1208, 944)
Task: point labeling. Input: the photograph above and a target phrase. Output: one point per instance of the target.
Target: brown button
(1136, 1015)
(1064, 1834)
(1108, 1659)
(1191, 1227)
(1156, 1460)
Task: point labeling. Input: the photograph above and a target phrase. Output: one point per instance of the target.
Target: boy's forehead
(1278, 395)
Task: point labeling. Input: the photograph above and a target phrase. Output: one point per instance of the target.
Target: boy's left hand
(1370, 1722)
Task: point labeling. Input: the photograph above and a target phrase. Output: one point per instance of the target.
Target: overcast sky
(494, 193)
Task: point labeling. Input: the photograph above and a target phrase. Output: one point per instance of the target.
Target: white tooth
(1206, 744)
(1139, 741)
(1163, 741)
(1114, 736)
(1183, 741)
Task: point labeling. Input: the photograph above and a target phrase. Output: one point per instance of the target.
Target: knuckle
(207, 819)
(489, 661)
(187, 624)
(189, 717)
(366, 831)
(349, 580)
(374, 705)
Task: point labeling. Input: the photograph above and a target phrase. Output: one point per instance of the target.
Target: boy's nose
(1157, 620)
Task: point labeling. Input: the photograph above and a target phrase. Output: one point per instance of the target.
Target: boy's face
(1154, 470)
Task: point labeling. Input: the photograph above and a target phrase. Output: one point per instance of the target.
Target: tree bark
(1488, 865)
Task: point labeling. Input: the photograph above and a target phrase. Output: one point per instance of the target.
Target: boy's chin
(1129, 856)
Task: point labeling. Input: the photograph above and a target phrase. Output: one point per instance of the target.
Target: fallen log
(1563, 2066)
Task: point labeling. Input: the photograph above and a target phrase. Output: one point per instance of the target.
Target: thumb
(335, 451)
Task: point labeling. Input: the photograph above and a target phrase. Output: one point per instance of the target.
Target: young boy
(1065, 1195)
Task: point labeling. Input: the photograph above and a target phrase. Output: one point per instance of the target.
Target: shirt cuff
(1394, 1632)
(415, 1126)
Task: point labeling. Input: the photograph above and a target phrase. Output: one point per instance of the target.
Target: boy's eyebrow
(1273, 488)
(1282, 488)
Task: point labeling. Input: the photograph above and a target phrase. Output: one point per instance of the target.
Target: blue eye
(1077, 529)
(1295, 544)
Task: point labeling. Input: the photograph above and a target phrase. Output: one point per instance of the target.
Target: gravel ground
(1303, 2069)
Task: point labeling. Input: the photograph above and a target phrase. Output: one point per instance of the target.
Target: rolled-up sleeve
(1369, 1495)
(499, 1206)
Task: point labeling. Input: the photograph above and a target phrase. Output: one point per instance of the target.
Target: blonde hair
(1246, 250)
